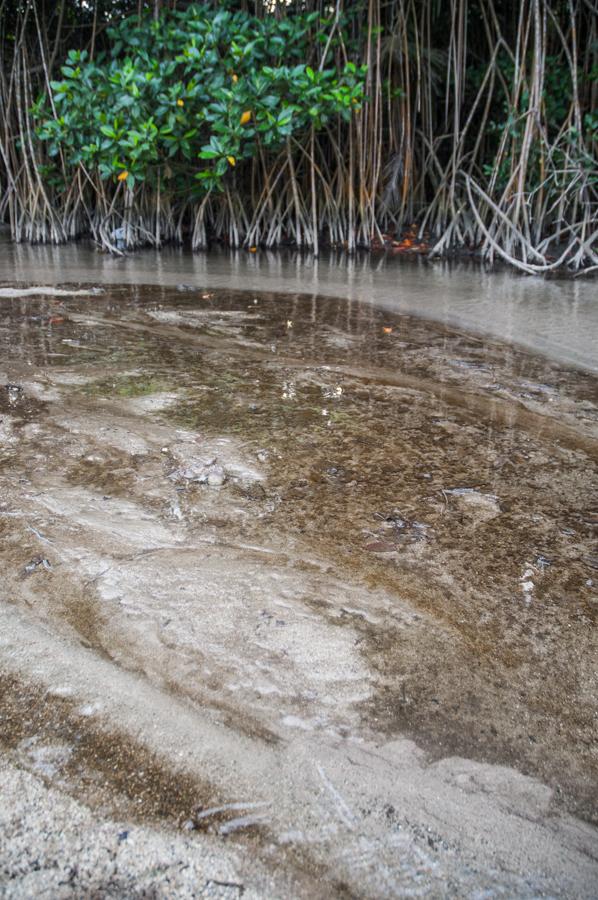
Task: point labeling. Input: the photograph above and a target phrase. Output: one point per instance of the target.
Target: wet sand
(327, 563)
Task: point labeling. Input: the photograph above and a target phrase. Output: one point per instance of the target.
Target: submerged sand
(298, 599)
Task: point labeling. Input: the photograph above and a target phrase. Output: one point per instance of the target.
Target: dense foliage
(470, 124)
(191, 95)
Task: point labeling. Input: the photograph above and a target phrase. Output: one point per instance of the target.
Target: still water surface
(288, 504)
(556, 318)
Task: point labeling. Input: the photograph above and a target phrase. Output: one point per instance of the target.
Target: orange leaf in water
(123, 176)
(246, 117)
(253, 249)
(387, 329)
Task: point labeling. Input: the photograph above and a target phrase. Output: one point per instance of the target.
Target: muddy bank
(323, 531)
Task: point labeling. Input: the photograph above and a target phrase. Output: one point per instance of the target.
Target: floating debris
(525, 582)
(241, 822)
(334, 392)
(15, 393)
(289, 392)
(36, 563)
(203, 818)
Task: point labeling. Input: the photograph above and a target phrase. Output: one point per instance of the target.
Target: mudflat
(298, 598)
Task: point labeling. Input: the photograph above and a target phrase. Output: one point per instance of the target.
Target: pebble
(216, 476)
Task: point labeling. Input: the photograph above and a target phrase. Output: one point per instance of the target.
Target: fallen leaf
(387, 329)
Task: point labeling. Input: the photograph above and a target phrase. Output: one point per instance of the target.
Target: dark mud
(449, 481)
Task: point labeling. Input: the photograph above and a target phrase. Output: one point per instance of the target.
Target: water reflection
(557, 318)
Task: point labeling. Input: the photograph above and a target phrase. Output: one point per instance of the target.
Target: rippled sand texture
(352, 549)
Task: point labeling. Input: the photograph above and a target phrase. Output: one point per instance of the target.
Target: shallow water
(314, 514)
(321, 527)
(556, 318)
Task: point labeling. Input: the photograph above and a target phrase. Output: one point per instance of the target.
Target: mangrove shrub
(179, 102)
(463, 124)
